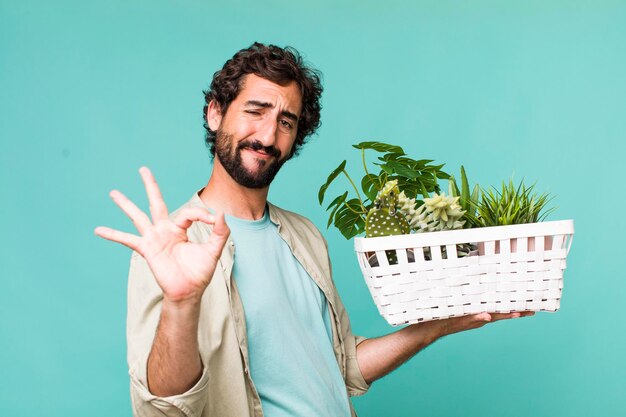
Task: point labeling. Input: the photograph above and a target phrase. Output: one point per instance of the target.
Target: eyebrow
(266, 105)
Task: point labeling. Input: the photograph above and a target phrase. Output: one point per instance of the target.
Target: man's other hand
(474, 321)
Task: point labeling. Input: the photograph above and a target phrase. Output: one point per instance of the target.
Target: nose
(267, 132)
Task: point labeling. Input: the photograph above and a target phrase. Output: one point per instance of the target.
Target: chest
(272, 283)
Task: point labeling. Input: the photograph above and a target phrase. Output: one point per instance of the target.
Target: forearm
(379, 356)
(174, 364)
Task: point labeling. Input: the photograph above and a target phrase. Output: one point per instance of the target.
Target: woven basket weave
(517, 268)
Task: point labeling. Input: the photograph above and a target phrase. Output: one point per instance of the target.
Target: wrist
(181, 308)
(433, 330)
(183, 300)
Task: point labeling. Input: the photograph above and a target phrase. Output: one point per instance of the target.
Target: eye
(253, 112)
(286, 124)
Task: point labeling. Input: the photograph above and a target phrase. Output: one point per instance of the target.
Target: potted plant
(513, 205)
(430, 255)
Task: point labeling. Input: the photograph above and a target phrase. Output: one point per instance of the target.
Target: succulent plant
(408, 207)
(394, 213)
(438, 213)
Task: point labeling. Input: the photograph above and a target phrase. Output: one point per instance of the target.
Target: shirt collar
(196, 201)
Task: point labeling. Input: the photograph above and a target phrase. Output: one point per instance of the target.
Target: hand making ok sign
(183, 269)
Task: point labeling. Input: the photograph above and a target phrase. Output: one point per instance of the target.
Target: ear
(213, 115)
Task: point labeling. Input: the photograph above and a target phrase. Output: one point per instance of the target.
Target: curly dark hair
(279, 65)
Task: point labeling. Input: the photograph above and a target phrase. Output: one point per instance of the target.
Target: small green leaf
(465, 195)
(401, 169)
(380, 147)
(330, 179)
(370, 186)
(391, 156)
(337, 202)
(348, 222)
(475, 194)
(424, 162)
(453, 189)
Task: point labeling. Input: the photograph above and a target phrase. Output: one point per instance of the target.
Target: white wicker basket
(517, 268)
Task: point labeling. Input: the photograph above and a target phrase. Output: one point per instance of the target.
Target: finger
(158, 209)
(219, 235)
(512, 315)
(189, 215)
(504, 316)
(473, 319)
(139, 218)
(126, 239)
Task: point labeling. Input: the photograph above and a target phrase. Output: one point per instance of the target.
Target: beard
(230, 158)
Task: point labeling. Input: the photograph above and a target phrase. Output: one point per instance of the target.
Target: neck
(223, 193)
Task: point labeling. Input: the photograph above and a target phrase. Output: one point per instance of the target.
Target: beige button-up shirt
(225, 388)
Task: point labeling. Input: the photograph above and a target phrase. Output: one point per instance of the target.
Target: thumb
(219, 235)
(220, 228)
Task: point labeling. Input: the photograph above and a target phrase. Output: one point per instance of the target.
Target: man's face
(255, 136)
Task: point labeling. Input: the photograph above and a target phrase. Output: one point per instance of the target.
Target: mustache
(256, 145)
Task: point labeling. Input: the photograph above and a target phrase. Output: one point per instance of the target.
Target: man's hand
(379, 356)
(474, 321)
(182, 269)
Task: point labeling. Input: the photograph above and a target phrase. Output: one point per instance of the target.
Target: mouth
(258, 150)
(259, 154)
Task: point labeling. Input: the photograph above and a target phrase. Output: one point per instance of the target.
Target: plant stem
(355, 189)
(360, 213)
(363, 158)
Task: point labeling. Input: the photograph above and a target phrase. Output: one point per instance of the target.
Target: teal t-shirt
(292, 363)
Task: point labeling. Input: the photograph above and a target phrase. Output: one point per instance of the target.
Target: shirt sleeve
(355, 382)
(144, 310)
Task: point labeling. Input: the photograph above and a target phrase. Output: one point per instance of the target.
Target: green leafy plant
(414, 177)
(512, 205)
(403, 196)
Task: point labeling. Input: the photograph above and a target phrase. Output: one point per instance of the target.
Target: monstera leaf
(415, 178)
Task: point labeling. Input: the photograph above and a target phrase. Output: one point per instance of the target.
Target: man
(249, 323)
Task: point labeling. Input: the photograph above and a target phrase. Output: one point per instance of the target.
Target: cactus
(394, 214)
(384, 219)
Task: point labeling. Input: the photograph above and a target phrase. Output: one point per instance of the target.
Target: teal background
(90, 91)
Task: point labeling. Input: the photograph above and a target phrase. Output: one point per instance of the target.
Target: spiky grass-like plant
(512, 205)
